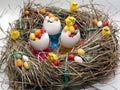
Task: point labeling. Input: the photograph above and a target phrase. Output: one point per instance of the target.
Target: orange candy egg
(26, 12)
(50, 15)
(43, 10)
(19, 62)
(37, 32)
(95, 21)
(56, 18)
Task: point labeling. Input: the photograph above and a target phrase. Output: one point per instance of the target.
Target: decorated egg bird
(39, 42)
(70, 35)
(52, 25)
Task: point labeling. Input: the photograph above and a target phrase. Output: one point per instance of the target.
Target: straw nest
(46, 76)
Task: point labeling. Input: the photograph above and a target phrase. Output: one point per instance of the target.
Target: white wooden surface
(10, 11)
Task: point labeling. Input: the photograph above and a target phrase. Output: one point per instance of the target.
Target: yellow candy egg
(81, 52)
(32, 36)
(26, 65)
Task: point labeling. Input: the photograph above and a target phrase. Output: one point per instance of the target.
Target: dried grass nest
(43, 75)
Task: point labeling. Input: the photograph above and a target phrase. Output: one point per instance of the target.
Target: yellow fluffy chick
(106, 31)
(73, 6)
(71, 29)
(52, 56)
(14, 34)
(70, 21)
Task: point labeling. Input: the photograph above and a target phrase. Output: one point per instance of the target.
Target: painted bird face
(52, 24)
(74, 4)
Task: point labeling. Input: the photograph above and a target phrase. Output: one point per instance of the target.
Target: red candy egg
(71, 57)
(56, 62)
(72, 35)
(76, 26)
(81, 43)
(39, 36)
(105, 24)
(43, 31)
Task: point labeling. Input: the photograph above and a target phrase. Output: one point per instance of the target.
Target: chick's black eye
(49, 21)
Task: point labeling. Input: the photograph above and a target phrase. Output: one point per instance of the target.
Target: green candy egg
(18, 56)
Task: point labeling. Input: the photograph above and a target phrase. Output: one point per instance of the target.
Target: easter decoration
(73, 6)
(52, 48)
(70, 35)
(39, 42)
(14, 34)
(52, 25)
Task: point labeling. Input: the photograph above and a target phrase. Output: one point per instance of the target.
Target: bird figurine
(70, 35)
(106, 31)
(70, 21)
(52, 25)
(39, 42)
(73, 6)
(14, 34)
(52, 56)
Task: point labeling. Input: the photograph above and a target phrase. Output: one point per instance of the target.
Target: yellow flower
(14, 34)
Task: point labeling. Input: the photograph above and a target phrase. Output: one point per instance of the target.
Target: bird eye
(52, 19)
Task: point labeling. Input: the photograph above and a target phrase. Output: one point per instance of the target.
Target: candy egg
(37, 32)
(27, 12)
(105, 24)
(51, 25)
(43, 10)
(56, 62)
(18, 56)
(19, 62)
(71, 57)
(41, 43)
(67, 41)
(50, 15)
(76, 26)
(25, 58)
(26, 65)
(56, 18)
(78, 59)
(99, 24)
(32, 36)
(81, 52)
(95, 21)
